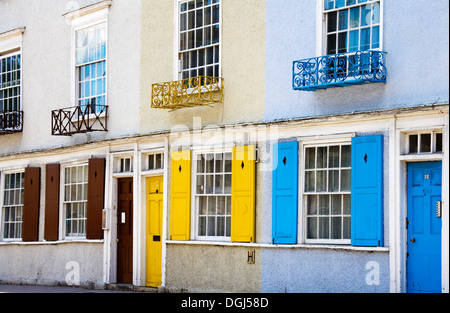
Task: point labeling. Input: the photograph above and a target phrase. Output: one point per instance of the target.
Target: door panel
(424, 227)
(154, 230)
(125, 231)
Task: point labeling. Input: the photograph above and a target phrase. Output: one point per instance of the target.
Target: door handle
(413, 239)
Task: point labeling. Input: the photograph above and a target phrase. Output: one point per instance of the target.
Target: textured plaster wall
(323, 270)
(45, 264)
(207, 268)
(415, 39)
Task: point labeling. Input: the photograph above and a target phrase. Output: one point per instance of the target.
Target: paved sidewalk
(62, 289)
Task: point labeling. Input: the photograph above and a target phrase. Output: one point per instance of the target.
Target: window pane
(439, 142)
(309, 181)
(324, 204)
(343, 20)
(331, 44)
(354, 17)
(346, 156)
(353, 44)
(202, 226)
(413, 143)
(376, 37)
(324, 227)
(365, 39)
(346, 204)
(376, 13)
(311, 205)
(346, 228)
(321, 181)
(336, 227)
(425, 143)
(310, 158)
(333, 157)
(345, 180)
(366, 15)
(312, 228)
(336, 208)
(332, 22)
(322, 157)
(342, 42)
(333, 180)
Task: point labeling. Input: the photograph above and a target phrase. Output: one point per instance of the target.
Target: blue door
(424, 226)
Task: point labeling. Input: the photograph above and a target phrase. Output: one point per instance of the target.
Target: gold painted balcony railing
(189, 92)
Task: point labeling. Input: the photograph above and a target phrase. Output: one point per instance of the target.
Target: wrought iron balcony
(339, 70)
(189, 92)
(11, 122)
(79, 119)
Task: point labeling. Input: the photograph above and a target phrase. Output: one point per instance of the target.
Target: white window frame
(63, 201)
(177, 75)
(321, 26)
(433, 141)
(11, 45)
(303, 222)
(82, 19)
(195, 197)
(2, 205)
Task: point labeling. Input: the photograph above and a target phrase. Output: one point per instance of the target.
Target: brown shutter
(30, 226)
(51, 202)
(96, 194)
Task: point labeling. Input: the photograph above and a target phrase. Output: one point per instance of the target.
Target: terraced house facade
(225, 146)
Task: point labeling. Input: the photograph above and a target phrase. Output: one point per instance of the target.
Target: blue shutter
(285, 193)
(367, 191)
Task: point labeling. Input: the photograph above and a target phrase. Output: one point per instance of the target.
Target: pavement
(21, 289)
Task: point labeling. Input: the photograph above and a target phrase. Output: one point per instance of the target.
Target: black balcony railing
(11, 122)
(79, 120)
(338, 70)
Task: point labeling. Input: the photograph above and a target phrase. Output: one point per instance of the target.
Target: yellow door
(154, 230)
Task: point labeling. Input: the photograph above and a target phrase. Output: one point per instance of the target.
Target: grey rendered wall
(52, 264)
(415, 39)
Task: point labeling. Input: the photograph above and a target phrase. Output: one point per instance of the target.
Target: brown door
(125, 231)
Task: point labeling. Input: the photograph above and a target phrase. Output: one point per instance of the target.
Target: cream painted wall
(243, 61)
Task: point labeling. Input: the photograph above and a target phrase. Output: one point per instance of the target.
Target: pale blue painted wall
(304, 270)
(415, 38)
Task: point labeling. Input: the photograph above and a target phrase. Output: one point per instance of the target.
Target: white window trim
(302, 220)
(2, 191)
(176, 43)
(11, 44)
(321, 48)
(194, 207)
(12, 39)
(80, 19)
(62, 216)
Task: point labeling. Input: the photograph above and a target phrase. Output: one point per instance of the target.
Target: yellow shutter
(243, 195)
(180, 196)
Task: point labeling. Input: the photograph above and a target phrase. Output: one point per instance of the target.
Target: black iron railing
(79, 119)
(11, 122)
